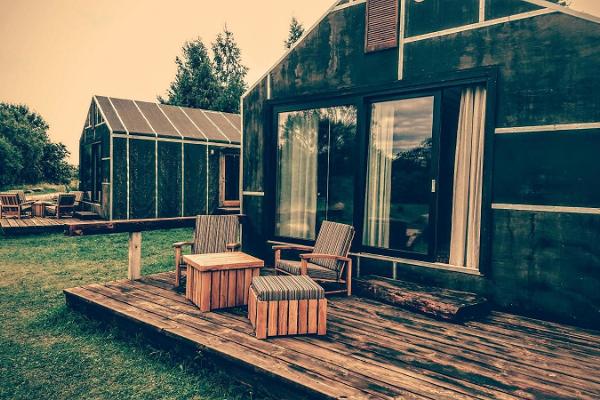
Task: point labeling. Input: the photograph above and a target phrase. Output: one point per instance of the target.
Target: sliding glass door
(423, 180)
(315, 170)
(401, 176)
(425, 175)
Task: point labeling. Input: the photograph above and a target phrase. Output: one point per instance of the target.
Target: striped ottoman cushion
(275, 288)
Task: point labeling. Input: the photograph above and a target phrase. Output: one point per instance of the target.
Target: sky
(56, 54)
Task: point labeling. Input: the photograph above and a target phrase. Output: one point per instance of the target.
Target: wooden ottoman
(287, 305)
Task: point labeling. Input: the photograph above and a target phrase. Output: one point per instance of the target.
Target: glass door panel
(398, 208)
(315, 173)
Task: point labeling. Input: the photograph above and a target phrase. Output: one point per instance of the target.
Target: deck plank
(220, 339)
(476, 358)
(374, 350)
(380, 372)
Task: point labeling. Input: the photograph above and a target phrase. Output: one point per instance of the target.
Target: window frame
(434, 174)
(223, 202)
(361, 97)
(274, 145)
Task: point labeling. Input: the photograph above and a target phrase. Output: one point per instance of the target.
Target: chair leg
(349, 278)
(177, 266)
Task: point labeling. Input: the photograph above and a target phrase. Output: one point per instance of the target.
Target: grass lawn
(50, 352)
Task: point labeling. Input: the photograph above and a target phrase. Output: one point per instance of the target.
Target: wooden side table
(220, 280)
(38, 209)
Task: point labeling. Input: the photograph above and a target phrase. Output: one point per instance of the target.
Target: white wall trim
(127, 159)
(405, 261)
(155, 160)
(565, 10)
(548, 128)
(253, 194)
(401, 39)
(161, 139)
(102, 111)
(478, 25)
(546, 209)
(481, 10)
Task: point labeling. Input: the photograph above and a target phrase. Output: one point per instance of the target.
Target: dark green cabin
(147, 160)
(460, 137)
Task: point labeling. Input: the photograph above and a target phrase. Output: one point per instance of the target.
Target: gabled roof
(341, 4)
(144, 118)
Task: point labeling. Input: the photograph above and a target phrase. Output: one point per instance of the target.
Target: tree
(54, 164)
(296, 32)
(195, 84)
(26, 153)
(230, 73)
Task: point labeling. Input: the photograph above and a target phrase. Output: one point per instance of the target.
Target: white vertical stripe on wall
(127, 160)
(401, 30)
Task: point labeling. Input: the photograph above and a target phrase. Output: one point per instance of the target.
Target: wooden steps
(439, 303)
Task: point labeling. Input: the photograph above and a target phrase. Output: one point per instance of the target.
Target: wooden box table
(220, 280)
(38, 209)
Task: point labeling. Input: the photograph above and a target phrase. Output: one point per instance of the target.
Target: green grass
(45, 188)
(48, 351)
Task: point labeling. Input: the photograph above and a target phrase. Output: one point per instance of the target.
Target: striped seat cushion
(336, 239)
(275, 288)
(314, 271)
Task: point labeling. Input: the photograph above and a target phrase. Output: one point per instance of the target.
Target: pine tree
(296, 32)
(229, 71)
(195, 84)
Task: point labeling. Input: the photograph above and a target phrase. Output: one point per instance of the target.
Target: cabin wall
(253, 164)
(99, 134)
(166, 178)
(542, 262)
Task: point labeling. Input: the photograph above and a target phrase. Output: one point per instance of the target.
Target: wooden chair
(65, 205)
(78, 204)
(213, 234)
(328, 258)
(13, 204)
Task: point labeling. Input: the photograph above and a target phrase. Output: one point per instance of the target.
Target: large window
(425, 175)
(399, 179)
(315, 170)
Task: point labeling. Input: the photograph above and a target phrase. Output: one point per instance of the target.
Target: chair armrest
(327, 256)
(292, 247)
(233, 246)
(181, 244)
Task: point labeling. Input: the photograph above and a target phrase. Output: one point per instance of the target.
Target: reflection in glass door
(398, 207)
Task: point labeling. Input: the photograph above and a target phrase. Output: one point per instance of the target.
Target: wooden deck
(372, 350)
(33, 225)
(75, 226)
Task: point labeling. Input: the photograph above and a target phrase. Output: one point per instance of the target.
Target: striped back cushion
(336, 239)
(9, 199)
(66, 199)
(214, 232)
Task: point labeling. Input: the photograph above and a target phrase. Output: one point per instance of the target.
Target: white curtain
(379, 177)
(468, 178)
(297, 180)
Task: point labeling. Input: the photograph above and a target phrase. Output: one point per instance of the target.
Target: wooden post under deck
(135, 256)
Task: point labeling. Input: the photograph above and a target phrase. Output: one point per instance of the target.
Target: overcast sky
(56, 54)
